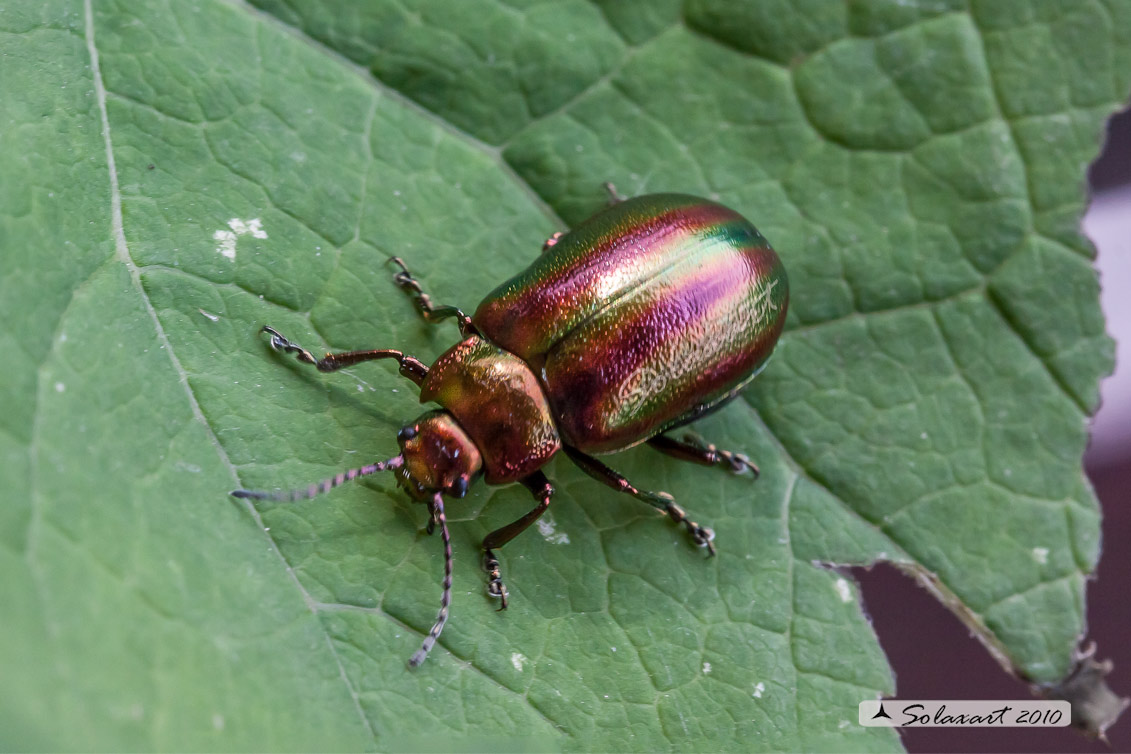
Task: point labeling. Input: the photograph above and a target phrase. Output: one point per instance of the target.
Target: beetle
(650, 314)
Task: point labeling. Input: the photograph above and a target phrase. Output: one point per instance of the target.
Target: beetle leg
(692, 448)
(432, 314)
(614, 197)
(411, 367)
(701, 535)
(543, 491)
(551, 241)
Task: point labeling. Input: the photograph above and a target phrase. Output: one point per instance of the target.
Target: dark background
(933, 654)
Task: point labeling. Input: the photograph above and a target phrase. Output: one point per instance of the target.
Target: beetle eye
(459, 487)
(407, 433)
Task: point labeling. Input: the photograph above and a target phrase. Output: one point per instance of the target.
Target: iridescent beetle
(648, 315)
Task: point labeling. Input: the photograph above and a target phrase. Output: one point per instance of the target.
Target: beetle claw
(702, 536)
(551, 241)
(740, 462)
(496, 589)
(279, 342)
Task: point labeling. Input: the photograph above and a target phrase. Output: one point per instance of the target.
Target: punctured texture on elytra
(646, 315)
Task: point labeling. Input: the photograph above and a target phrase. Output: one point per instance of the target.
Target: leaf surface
(178, 174)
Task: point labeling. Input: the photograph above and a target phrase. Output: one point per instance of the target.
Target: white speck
(706, 668)
(298, 157)
(579, 148)
(60, 387)
(227, 238)
(613, 648)
(63, 338)
(758, 689)
(1041, 555)
(361, 388)
(209, 315)
(923, 436)
(518, 659)
(218, 721)
(548, 529)
(843, 724)
(227, 241)
(844, 590)
(242, 227)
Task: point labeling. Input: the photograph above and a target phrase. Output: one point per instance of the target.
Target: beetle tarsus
(410, 366)
(552, 241)
(496, 589)
(692, 448)
(280, 343)
(611, 190)
(701, 535)
(423, 302)
(543, 492)
(740, 463)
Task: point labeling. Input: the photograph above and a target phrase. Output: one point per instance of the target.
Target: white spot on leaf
(237, 227)
(548, 529)
(1041, 555)
(758, 689)
(518, 659)
(227, 243)
(706, 668)
(60, 387)
(844, 590)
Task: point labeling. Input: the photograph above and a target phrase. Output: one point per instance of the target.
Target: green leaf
(178, 174)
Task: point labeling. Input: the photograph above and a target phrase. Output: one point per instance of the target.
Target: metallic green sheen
(647, 315)
(499, 403)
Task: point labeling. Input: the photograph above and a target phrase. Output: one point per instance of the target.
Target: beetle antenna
(324, 486)
(446, 599)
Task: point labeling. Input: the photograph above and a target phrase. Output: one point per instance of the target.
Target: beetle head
(438, 457)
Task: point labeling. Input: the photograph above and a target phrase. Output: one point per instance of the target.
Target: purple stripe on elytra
(527, 314)
(634, 364)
